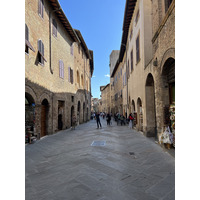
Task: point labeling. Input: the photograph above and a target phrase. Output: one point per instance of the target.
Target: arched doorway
(150, 107)
(168, 97)
(72, 113)
(29, 114)
(44, 117)
(140, 115)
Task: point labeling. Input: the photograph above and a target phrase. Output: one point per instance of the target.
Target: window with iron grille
(54, 28)
(41, 8)
(138, 48)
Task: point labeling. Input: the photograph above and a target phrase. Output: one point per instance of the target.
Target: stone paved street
(129, 166)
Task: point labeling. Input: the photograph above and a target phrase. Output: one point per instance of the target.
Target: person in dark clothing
(108, 118)
(98, 120)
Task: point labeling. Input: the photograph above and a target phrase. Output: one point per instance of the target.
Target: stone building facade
(118, 87)
(58, 69)
(113, 60)
(147, 57)
(105, 98)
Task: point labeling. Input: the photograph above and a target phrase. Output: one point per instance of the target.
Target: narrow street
(126, 165)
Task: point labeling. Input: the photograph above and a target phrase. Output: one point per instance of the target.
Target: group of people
(120, 119)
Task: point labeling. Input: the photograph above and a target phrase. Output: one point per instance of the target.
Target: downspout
(50, 13)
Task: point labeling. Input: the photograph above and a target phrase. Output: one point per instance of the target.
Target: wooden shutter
(39, 7)
(62, 69)
(42, 8)
(26, 32)
(39, 46)
(132, 60)
(54, 27)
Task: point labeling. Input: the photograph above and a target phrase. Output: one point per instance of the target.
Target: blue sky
(100, 23)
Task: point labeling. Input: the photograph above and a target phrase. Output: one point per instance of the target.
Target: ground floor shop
(47, 112)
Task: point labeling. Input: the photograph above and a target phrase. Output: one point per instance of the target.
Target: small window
(138, 48)
(70, 75)
(72, 98)
(41, 8)
(131, 60)
(72, 49)
(167, 4)
(61, 69)
(54, 28)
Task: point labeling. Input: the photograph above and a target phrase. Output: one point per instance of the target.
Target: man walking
(98, 120)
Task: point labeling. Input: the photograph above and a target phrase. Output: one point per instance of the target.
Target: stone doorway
(150, 129)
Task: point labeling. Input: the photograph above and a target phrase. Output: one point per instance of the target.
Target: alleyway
(128, 166)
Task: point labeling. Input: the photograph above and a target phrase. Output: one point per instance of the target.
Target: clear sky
(100, 23)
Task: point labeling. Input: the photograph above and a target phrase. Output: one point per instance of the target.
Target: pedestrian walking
(108, 118)
(98, 120)
(130, 121)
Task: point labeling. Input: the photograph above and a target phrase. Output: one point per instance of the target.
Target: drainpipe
(50, 13)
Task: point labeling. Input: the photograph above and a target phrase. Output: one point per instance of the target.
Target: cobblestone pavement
(126, 166)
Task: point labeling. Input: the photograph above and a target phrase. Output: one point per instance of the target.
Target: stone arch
(133, 106)
(168, 94)
(150, 128)
(30, 93)
(44, 96)
(169, 53)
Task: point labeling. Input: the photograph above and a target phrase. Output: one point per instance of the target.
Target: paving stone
(66, 166)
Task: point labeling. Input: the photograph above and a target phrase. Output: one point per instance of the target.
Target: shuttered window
(54, 28)
(61, 69)
(41, 57)
(138, 49)
(41, 8)
(27, 43)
